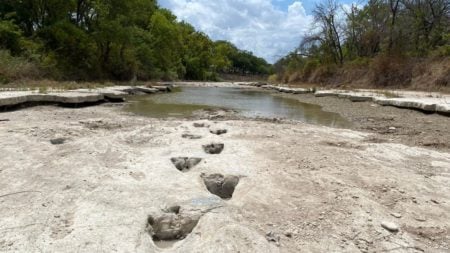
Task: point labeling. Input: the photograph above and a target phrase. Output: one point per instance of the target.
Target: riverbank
(12, 99)
(387, 124)
(366, 110)
(428, 102)
(369, 111)
(302, 187)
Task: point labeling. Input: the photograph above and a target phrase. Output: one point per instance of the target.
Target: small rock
(392, 128)
(390, 226)
(58, 141)
(4, 120)
(421, 219)
(396, 215)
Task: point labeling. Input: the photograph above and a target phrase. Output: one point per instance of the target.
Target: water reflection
(249, 103)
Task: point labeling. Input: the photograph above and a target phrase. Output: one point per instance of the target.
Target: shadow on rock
(184, 164)
(171, 225)
(220, 185)
(214, 148)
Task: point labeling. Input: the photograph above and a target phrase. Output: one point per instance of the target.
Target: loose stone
(390, 226)
(58, 141)
(396, 215)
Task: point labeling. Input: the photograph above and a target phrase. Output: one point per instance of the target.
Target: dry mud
(388, 124)
(111, 186)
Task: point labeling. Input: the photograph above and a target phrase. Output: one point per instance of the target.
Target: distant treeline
(383, 36)
(110, 39)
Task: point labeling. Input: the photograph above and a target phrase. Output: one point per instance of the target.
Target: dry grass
(384, 72)
(16, 68)
(43, 86)
(53, 85)
(391, 71)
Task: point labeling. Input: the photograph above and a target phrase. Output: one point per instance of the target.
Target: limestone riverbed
(101, 179)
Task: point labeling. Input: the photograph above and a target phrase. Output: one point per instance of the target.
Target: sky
(268, 28)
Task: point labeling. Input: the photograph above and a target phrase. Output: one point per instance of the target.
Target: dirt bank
(424, 74)
(101, 180)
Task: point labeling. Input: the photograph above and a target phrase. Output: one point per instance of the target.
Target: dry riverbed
(388, 124)
(99, 179)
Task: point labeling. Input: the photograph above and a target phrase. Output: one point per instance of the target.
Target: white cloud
(254, 25)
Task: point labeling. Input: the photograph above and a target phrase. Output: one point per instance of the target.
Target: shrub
(323, 73)
(388, 70)
(309, 68)
(441, 51)
(359, 62)
(16, 68)
(273, 78)
(10, 37)
(444, 79)
(295, 77)
(43, 90)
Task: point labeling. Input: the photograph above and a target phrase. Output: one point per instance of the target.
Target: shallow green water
(249, 103)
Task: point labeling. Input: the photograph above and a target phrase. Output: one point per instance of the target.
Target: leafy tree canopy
(116, 39)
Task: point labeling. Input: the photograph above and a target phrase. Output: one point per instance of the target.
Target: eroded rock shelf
(81, 97)
(423, 101)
